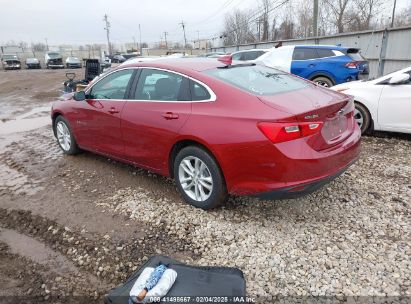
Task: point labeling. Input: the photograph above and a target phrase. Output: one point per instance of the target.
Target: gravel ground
(350, 238)
(101, 220)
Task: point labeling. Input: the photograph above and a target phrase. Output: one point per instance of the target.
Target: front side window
(253, 55)
(259, 80)
(113, 86)
(304, 53)
(160, 85)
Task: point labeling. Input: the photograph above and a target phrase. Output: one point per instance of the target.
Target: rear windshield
(258, 80)
(355, 55)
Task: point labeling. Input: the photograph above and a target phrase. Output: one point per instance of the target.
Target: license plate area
(334, 129)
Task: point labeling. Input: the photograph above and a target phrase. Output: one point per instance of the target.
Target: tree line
(275, 20)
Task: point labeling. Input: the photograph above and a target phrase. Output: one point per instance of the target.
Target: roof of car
(197, 64)
(317, 46)
(252, 50)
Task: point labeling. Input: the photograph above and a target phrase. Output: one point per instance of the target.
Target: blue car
(327, 65)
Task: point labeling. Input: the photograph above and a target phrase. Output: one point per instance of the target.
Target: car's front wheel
(199, 178)
(65, 137)
(362, 117)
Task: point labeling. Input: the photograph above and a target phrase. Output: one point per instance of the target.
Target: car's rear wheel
(65, 137)
(199, 178)
(323, 81)
(362, 117)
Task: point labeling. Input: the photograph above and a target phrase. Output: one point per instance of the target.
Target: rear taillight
(226, 59)
(352, 65)
(280, 132)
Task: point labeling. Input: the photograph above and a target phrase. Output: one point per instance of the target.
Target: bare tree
(404, 17)
(38, 47)
(337, 10)
(304, 22)
(237, 28)
(363, 13)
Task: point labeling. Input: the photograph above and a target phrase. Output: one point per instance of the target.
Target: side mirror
(399, 78)
(79, 96)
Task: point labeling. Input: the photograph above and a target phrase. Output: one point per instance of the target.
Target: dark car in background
(10, 62)
(33, 63)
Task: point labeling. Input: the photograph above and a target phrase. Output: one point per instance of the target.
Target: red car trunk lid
(333, 109)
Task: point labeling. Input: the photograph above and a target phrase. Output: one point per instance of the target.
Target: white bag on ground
(158, 291)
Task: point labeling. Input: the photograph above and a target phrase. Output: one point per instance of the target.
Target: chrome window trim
(212, 98)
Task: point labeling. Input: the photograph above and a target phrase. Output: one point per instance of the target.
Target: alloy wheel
(63, 136)
(195, 178)
(358, 117)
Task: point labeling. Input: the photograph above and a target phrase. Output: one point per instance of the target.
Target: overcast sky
(81, 21)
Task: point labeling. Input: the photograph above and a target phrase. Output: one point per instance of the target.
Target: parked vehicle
(33, 63)
(105, 63)
(53, 60)
(326, 65)
(10, 62)
(118, 59)
(128, 56)
(248, 55)
(242, 129)
(382, 104)
(73, 62)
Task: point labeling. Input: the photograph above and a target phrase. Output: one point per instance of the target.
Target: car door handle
(113, 110)
(170, 115)
(311, 65)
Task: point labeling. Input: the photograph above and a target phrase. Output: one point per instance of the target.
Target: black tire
(74, 149)
(219, 190)
(366, 117)
(323, 81)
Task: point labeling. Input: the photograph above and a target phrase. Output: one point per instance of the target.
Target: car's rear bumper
(303, 189)
(288, 168)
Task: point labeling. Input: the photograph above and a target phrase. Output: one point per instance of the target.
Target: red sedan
(217, 129)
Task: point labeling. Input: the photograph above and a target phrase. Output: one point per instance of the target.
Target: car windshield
(10, 57)
(54, 55)
(258, 80)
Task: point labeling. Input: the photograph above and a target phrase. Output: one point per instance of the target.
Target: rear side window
(237, 56)
(258, 80)
(161, 86)
(252, 55)
(304, 53)
(325, 53)
(198, 92)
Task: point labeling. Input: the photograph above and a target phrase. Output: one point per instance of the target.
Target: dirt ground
(58, 241)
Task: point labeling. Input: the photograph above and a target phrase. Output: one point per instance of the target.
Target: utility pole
(134, 40)
(107, 28)
(165, 39)
(315, 19)
(47, 45)
(184, 31)
(198, 36)
(393, 13)
(141, 48)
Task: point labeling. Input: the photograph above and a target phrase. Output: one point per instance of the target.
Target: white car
(248, 55)
(73, 62)
(382, 104)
